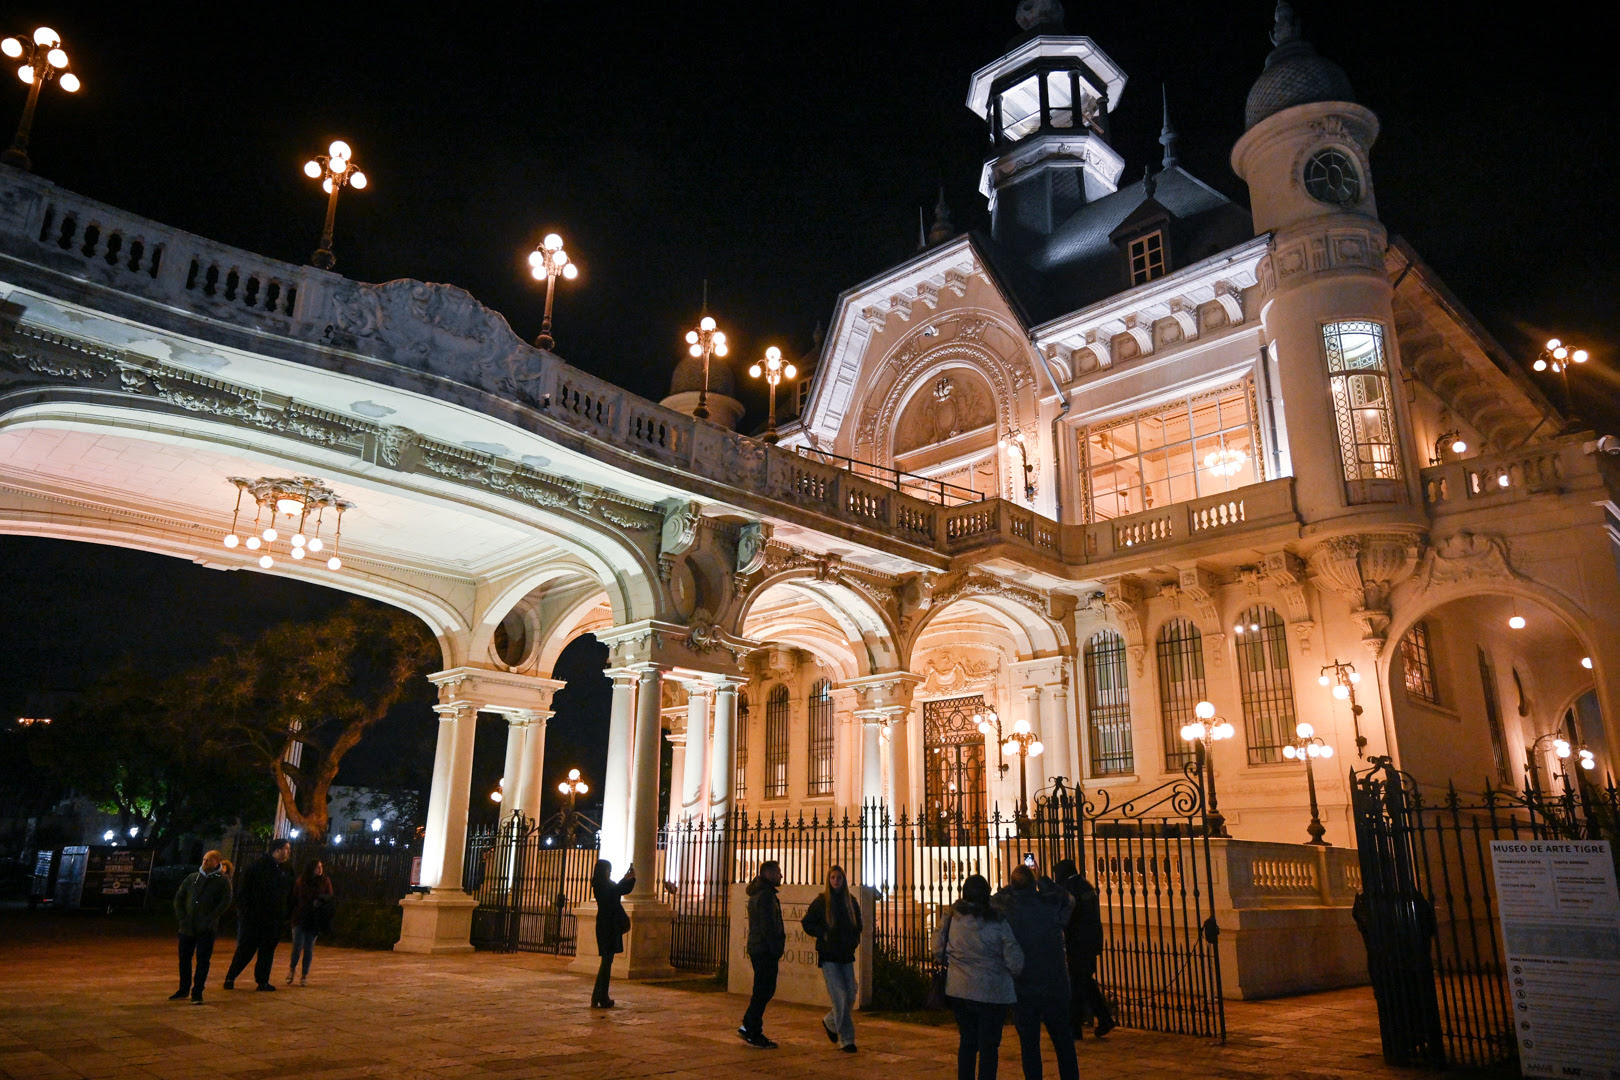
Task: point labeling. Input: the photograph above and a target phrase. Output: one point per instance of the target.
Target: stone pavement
(83, 1001)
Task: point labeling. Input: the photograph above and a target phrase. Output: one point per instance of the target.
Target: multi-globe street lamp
(1016, 439)
(1564, 750)
(547, 263)
(773, 369)
(1023, 742)
(336, 170)
(1558, 356)
(706, 341)
(1307, 747)
(1344, 679)
(43, 59)
(1202, 732)
(569, 818)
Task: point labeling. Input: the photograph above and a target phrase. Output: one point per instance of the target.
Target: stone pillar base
(646, 946)
(436, 922)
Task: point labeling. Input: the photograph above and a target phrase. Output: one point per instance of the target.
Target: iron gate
(1427, 910)
(527, 886)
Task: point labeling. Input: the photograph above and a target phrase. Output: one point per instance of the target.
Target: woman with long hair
(612, 923)
(834, 920)
(981, 957)
(311, 917)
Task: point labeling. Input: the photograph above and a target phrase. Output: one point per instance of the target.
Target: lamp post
(1344, 679)
(1207, 729)
(569, 818)
(706, 341)
(1564, 750)
(1016, 438)
(774, 370)
(1558, 356)
(43, 59)
(336, 170)
(1307, 747)
(547, 262)
(1022, 742)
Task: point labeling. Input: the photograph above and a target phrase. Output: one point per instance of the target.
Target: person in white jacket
(981, 958)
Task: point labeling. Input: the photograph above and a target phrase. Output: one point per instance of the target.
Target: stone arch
(524, 593)
(856, 633)
(1023, 615)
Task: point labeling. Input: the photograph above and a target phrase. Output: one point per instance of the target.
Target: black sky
(781, 151)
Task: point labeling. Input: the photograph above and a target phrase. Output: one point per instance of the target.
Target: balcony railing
(1491, 480)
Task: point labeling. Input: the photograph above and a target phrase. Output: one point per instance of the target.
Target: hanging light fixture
(303, 501)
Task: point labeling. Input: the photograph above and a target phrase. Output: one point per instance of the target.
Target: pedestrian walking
(1037, 910)
(1083, 943)
(199, 902)
(981, 958)
(834, 920)
(612, 923)
(767, 941)
(313, 904)
(262, 899)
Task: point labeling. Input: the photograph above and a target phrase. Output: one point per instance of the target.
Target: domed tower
(1046, 103)
(1327, 311)
(687, 383)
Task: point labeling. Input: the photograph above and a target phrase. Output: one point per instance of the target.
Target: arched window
(1358, 378)
(821, 738)
(776, 743)
(1181, 686)
(954, 776)
(740, 784)
(1108, 705)
(1268, 683)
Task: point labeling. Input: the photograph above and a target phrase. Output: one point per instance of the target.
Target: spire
(943, 230)
(1167, 135)
(922, 230)
(1285, 25)
(1294, 74)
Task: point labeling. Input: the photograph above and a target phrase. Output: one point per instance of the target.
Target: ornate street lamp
(774, 370)
(1207, 729)
(1016, 438)
(1564, 750)
(1307, 747)
(546, 263)
(707, 342)
(569, 818)
(336, 170)
(1022, 742)
(1558, 357)
(1344, 679)
(43, 59)
(302, 497)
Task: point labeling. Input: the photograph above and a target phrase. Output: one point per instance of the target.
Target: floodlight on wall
(303, 501)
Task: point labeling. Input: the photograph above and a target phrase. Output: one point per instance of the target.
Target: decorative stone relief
(1126, 601)
(1465, 556)
(680, 527)
(1365, 569)
(752, 542)
(952, 674)
(957, 402)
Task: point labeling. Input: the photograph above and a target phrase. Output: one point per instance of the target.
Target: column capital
(1031, 693)
(885, 688)
(455, 710)
(675, 738)
(883, 715)
(525, 717)
(495, 690)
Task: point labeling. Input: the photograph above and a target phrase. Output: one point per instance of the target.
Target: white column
(699, 696)
(722, 758)
(532, 775)
(512, 772)
(644, 782)
(900, 763)
(677, 770)
(871, 757)
(445, 839)
(616, 781)
(1056, 732)
(1037, 766)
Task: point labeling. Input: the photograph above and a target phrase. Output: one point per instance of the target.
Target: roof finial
(1285, 24)
(943, 230)
(1167, 135)
(705, 296)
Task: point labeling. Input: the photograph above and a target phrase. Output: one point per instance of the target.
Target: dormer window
(1147, 257)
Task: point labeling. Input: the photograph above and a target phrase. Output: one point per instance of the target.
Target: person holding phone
(612, 923)
(1037, 910)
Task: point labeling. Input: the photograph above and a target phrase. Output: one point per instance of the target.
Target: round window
(512, 640)
(1331, 177)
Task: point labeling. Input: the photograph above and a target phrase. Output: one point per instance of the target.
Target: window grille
(1493, 718)
(1147, 258)
(1358, 379)
(1417, 664)
(1181, 686)
(740, 784)
(1108, 705)
(1206, 444)
(1269, 717)
(954, 778)
(776, 743)
(821, 738)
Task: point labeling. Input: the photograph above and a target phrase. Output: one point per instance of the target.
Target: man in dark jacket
(201, 899)
(1083, 940)
(1037, 911)
(767, 941)
(263, 899)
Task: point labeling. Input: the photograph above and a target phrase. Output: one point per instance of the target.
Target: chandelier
(1228, 462)
(302, 497)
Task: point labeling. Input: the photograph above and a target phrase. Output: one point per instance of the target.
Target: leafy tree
(318, 687)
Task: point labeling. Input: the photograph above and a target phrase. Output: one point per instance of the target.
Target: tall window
(1358, 378)
(1196, 446)
(821, 738)
(740, 784)
(1108, 705)
(1147, 257)
(776, 743)
(1268, 684)
(1181, 686)
(954, 781)
(1417, 664)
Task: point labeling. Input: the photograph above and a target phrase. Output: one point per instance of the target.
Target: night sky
(780, 151)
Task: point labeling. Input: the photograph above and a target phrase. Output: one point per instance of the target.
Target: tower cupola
(1294, 74)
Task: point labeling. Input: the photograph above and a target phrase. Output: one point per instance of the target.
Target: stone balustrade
(1502, 479)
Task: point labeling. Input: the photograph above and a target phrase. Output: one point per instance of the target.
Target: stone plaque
(799, 977)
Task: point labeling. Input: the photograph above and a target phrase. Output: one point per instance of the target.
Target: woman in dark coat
(834, 920)
(612, 923)
(311, 916)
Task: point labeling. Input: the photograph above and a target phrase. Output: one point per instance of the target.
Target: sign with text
(1560, 917)
(799, 977)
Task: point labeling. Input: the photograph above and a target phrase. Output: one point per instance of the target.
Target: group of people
(1032, 947)
(267, 897)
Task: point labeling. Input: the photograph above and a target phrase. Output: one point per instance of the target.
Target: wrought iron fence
(1428, 907)
(527, 885)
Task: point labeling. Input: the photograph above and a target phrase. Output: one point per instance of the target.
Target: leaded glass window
(954, 788)
(821, 738)
(776, 743)
(1108, 705)
(1147, 258)
(740, 785)
(1180, 651)
(1417, 664)
(1331, 177)
(1358, 377)
(1268, 685)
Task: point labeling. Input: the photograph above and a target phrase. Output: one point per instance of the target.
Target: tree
(317, 687)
